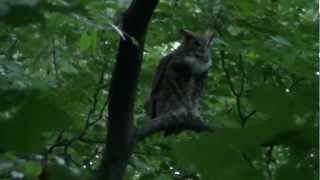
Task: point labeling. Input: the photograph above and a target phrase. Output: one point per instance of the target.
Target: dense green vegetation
(56, 62)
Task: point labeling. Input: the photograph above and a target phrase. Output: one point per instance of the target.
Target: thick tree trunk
(120, 139)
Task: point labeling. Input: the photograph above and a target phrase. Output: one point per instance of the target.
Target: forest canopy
(57, 66)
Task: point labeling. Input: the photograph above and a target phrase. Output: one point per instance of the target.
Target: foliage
(56, 59)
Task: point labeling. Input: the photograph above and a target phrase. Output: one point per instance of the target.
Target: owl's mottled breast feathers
(180, 77)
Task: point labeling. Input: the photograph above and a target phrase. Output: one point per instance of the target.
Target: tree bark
(120, 135)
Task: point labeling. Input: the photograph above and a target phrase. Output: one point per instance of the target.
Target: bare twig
(247, 159)
(295, 83)
(91, 141)
(11, 49)
(66, 143)
(226, 70)
(242, 84)
(95, 98)
(269, 160)
(54, 61)
(237, 94)
(55, 144)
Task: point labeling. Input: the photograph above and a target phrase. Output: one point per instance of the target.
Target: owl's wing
(156, 84)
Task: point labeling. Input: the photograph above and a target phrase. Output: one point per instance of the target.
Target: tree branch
(174, 122)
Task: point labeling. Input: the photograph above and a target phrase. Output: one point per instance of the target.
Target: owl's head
(197, 51)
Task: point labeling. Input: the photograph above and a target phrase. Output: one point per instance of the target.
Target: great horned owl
(180, 76)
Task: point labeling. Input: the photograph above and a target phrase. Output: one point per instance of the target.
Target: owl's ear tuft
(209, 35)
(186, 33)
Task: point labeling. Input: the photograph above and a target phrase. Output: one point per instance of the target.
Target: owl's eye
(198, 55)
(195, 43)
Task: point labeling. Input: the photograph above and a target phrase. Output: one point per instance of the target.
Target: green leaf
(20, 15)
(217, 155)
(13, 97)
(93, 40)
(88, 40)
(32, 169)
(296, 169)
(234, 30)
(85, 41)
(273, 101)
(304, 98)
(24, 130)
(281, 40)
(56, 171)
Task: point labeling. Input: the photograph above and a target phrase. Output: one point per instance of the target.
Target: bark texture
(120, 138)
